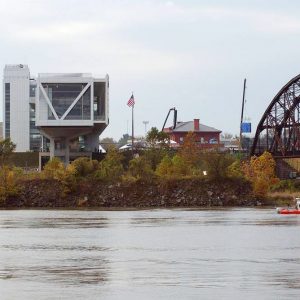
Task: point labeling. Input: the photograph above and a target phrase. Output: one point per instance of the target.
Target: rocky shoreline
(48, 193)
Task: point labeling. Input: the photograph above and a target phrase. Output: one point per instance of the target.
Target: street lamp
(145, 123)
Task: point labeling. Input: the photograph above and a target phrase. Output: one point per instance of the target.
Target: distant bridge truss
(279, 128)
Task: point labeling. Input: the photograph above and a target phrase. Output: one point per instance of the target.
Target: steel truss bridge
(278, 131)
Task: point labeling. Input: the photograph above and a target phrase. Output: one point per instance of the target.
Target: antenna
(242, 114)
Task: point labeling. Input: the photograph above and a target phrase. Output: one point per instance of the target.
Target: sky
(192, 55)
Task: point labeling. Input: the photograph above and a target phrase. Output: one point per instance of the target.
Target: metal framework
(279, 128)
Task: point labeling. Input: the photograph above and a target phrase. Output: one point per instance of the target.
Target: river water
(149, 254)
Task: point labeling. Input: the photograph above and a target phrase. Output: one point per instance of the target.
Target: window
(34, 133)
(32, 89)
(62, 95)
(7, 110)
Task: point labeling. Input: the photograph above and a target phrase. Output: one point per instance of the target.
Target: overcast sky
(190, 54)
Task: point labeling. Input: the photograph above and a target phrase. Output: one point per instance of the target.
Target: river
(149, 254)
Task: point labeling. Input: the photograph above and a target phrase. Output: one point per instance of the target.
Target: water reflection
(55, 223)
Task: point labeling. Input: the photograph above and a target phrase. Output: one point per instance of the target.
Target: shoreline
(189, 193)
(217, 208)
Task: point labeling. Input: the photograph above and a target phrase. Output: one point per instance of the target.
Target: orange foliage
(261, 172)
(190, 151)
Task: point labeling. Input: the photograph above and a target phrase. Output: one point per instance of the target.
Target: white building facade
(58, 115)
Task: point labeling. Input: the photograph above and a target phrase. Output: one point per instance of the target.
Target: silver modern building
(58, 115)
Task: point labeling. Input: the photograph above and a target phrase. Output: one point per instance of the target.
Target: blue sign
(246, 127)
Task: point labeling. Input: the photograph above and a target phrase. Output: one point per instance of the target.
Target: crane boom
(174, 118)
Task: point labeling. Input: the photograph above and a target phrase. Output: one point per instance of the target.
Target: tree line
(158, 163)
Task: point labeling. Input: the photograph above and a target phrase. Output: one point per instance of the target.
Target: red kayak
(287, 211)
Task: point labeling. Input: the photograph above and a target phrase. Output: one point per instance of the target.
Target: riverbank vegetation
(159, 174)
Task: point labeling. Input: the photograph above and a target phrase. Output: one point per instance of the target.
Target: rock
(82, 202)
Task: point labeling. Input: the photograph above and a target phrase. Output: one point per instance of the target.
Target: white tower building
(59, 115)
(16, 84)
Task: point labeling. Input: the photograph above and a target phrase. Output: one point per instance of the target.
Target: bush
(9, 178)
(175, 167)
(154, 156)
(165, 167)
(55, 169)
(140, 168)
(110, 168)
(235, 170)
(289, 185)
(84, 166)
(217, 164)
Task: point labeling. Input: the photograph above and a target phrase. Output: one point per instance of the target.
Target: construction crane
(174, 118)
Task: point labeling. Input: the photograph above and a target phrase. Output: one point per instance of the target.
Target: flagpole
(132, 127)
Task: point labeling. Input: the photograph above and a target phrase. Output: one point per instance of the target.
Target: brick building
(207, 137)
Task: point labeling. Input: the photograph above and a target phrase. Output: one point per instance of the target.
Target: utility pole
(242, 116)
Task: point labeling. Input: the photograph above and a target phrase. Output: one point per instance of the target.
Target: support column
(52, 148)
(67, 152)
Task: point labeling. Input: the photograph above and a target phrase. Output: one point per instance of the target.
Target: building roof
(189, 126)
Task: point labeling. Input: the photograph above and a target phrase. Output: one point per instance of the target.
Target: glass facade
(32, 89)
(34, 133)
(7, 110)
(62, 96)
(99, 101)
(82, 109)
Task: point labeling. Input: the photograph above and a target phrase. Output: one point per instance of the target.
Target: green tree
(7, 147)
(159, 146)
(217, 164)
(157, 139)
(123, 140)
(140, 168)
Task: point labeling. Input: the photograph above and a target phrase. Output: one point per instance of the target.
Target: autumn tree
(190, 151)
(260, 171)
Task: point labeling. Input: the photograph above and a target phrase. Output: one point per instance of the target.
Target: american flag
(131, 101)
